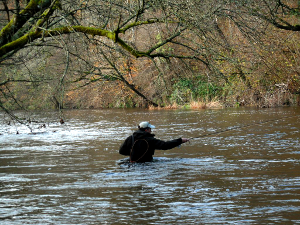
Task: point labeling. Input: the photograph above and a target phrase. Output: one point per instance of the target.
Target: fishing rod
(241, 127)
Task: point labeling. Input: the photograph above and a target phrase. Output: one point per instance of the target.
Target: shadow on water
(73, 174)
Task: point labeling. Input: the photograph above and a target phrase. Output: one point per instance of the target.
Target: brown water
(73, 174)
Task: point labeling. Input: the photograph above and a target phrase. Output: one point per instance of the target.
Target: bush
(185, 90)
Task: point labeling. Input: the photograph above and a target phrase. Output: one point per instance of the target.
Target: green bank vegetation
(148, 53)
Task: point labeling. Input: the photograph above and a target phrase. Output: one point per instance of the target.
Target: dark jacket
(144, 146)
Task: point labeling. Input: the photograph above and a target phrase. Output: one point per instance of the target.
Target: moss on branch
(18, 20)
(33, 35)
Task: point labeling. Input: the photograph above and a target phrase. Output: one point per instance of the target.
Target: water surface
(72, 173)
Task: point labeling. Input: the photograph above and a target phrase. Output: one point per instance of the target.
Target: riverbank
(88, 98)
(84, 99)
(192, 105)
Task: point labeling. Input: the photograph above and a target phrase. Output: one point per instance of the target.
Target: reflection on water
(73, 174)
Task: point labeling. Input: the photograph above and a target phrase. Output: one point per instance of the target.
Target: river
(72, 173)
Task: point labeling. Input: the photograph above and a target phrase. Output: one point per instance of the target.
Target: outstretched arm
(165, 145)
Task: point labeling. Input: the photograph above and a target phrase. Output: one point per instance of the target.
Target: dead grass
(151, 107)
(214, 105)
(192, 105)
(197, 105)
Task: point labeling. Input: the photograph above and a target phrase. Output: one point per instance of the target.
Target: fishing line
(241, 127)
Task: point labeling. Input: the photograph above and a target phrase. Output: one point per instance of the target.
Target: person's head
(145, 126)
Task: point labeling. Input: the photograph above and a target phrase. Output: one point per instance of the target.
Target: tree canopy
(163, 51)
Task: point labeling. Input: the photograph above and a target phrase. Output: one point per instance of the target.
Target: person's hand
(185, 140)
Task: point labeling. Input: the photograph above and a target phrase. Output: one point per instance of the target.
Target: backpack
(138, 150)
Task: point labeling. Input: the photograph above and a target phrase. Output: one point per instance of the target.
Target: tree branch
(20, 19)
(112, 35)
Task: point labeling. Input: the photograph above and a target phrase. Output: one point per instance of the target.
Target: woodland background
(148, 53)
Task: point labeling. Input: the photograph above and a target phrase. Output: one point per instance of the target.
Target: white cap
(145, 125)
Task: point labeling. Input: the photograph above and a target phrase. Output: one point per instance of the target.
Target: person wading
(141, 145)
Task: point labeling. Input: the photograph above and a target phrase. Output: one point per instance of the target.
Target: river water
(72, 173)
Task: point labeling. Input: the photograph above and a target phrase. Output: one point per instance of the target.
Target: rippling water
(73, 174)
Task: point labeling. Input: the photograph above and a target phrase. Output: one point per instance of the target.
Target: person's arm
(165, 145)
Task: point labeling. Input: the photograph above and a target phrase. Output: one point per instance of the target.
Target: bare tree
(45, 24)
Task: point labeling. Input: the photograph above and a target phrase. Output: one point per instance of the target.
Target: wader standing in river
(141, 145)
